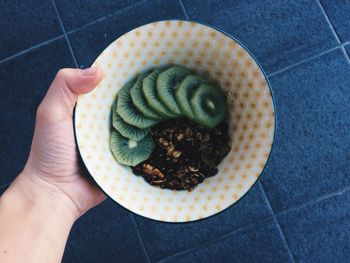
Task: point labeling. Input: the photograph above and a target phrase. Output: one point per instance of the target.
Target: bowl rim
(88, 174)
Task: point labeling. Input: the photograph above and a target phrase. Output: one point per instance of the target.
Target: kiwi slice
(184, 93)
(167, 83)
(139, 99)
(128, 111)
(126, 129)
(130, 152)
(150, 93)
(209, 105)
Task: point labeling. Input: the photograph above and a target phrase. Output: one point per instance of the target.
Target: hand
(53, 160)
(39, 208)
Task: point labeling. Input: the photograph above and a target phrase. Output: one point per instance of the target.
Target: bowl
(214, 55)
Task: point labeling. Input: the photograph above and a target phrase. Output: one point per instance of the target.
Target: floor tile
(319, 232)
(260, 243)
(78, 13)
(26, 23)
(89, 42)
(311, 155)
(347, 48)
(162, 239)
(23, 83)
(338, 13)
(105, 234)
(278, 33)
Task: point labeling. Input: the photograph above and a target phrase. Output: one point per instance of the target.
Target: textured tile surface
(338, 13)
(23, 83)
(78, 13)
(89, 42)
(311, 156)
(26, 23)
(105, 234)
(251, 209)
(260, 243)
(278, 33)
(347, 48)
(320, 232)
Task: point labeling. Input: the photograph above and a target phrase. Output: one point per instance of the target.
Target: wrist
(40, 197)
(33, 219)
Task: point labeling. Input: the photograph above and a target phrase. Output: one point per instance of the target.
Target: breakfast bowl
(217, 57)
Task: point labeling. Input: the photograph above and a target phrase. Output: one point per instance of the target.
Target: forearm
(34, 222)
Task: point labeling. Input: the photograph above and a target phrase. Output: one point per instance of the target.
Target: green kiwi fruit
(128, 111)
(130, 152)
(139, 99)
(209, 105)
(184, 93)
(150, 93)
(126, 129)
(167, 83)
(165, 93)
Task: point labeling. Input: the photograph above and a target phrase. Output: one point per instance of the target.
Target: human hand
(53, 161)
(39, 208)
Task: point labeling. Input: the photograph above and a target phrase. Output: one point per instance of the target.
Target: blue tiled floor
(76, 14)
(338, 12)
(258, 243)
(106, 234)
(251, 209)
(26, 23)
(313, 104)
(347, 47)
(89, 41)
(319, 232)
(299, 212)
(279, 33)
(23, 83)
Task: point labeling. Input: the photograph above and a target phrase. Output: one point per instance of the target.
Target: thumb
(62, 95)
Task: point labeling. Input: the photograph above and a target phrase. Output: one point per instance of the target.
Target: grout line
(184, 9)
(345, 54)
(304, 61)
(333, 30)
(128, 7)
(314, 201)
(64, 33)
(276, 221)
(87, 25)
(100, 19)
(328, 21)
(31, 48)
(274, 218)
(106, 16)
(214, 240)
(140, 237)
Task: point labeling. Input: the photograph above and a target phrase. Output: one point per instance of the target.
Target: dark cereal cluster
(184, 155)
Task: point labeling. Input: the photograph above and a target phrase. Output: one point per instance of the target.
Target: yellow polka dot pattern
(209, 53)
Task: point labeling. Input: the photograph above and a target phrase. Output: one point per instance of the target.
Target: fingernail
(89, 71)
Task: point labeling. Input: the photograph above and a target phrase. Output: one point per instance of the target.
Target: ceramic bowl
(217, 57)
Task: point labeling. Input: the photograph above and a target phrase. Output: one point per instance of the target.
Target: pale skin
(39, 208)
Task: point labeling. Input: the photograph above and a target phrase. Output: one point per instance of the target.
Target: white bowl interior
(211, 54)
